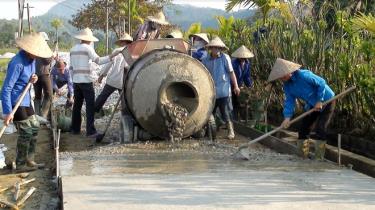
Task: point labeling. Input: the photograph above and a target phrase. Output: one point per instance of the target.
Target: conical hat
(281, 68)
(35, 44)
(124, 37)
(216, 42)
(242, 52)
(158, 18)
(86, 35)
(177, 34)
(44, 35)
(202, 36)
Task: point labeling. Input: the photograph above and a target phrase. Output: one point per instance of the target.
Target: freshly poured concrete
(203, 177)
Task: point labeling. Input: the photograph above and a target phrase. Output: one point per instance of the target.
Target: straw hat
(34, 44)
(86, 35)
(44, 35)
(216, 42)
(202, 36)
(176, 34)
(242, 52)
(158, 18)
(281, 68)
(124, 37)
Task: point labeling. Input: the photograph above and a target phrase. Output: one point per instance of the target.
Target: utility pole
(28, 16)
(107, 28)
(129, 17)
(20, 17)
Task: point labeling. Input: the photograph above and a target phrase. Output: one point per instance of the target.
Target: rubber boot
(320, 149)
(230, 131)
(37, 106)
(211, 128)
(303, 148)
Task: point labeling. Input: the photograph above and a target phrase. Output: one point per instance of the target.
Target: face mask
(215, 52)
(198, 44)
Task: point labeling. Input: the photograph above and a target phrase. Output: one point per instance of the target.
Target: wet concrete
(197, 175)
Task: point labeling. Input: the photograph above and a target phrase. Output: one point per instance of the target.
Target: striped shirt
(80, 57)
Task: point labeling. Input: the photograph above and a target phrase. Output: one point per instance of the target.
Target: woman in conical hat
(241, 67)
(21, 71)
(220, 67)
(314, 91)
(199, 42)
(151, 28)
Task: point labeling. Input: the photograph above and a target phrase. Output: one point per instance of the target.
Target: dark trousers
(83, 91)
(103, 96)
(322, 120)
(223, 105)
(236, 107)
(43, 87)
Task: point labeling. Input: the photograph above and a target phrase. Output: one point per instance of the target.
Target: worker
(220, 67)
(241, 66)
(314, 91)
(83, 78)
(43, 87)
(175, 34)
(114, 71)
(21, 70)
(151, 28)
(199, 42)
(60, 77)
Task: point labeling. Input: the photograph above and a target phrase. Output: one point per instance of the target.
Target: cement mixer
(164, 85)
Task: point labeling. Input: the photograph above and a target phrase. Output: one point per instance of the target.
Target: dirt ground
(45, 196)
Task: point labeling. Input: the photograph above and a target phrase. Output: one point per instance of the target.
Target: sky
(8, 8)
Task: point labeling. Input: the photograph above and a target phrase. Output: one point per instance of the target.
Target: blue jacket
(63, 78)
(200, 54)
(220, 69)
(307, 86)
(242, 75)
(19, 72)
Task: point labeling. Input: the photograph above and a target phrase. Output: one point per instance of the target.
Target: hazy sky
(8, 8)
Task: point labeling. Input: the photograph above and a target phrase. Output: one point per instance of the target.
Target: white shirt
(115, 71)
(80, 57)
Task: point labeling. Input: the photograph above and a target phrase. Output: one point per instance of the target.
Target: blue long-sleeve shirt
(19, 72)
(56, 76)
(307, 86)
(200, 54)
(242, 74)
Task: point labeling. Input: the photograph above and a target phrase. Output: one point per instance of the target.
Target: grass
(4, 50)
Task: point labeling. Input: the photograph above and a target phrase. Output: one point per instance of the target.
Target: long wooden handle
(19, 101)
(297, 118)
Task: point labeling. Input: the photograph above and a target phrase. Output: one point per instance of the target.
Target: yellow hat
(281, 68)
(242, 52)
(217, 42)
(158, 18)
(35, 44)
(86, 35)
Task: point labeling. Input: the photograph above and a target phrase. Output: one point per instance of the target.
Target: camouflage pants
(27, 137)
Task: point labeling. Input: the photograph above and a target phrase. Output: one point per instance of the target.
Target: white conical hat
(44, 35)
(34, 44)
(281, 68)
(177, 34)
(216, 42)
(242, 52)
(202, 36)
(124, 37)
(158, 18)
(86, 35)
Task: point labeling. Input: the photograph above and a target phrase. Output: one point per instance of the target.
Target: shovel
(16, 106)
(99, 138)
(243, 149)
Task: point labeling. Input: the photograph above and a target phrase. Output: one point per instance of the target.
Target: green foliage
(193, 29)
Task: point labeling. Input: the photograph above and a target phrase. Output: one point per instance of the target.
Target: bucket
(64, 123)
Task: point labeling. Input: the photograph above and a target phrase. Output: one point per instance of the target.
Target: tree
(93, 15)
(56, 24)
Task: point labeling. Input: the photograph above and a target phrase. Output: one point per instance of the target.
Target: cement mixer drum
(166, 76)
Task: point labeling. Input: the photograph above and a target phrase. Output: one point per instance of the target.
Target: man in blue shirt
(60, 77)
(198, 46)
(220, 67)
(313, 90)
(21, 71)
(241, 66)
